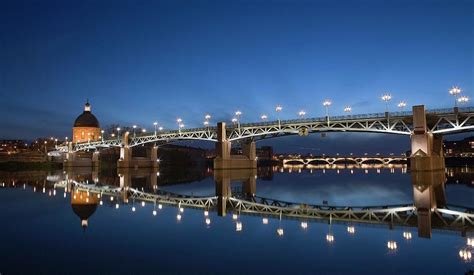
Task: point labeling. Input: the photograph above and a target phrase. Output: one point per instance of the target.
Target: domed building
(86, 127)
(84, 205)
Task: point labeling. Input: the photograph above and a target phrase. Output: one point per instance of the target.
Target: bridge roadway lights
(427, 149)
(224, 159)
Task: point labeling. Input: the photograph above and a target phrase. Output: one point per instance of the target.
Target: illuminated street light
(101, 135)
(237, 115)
(386, 98)
(402, 105)
(160, 128)
(154, 125)
(278, 109)
(326, 104)
(264, 117)
(347, 109)
(463, 99)
(234, 120)
(118, 132)
(134, 127)
(180, 122)
(302, 113)
(143, 130)
(455, 91)
(206, 123)
(207, 117)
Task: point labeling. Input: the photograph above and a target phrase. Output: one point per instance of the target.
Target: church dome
(86, 119)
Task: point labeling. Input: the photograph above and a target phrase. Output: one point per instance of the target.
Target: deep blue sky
(139, 61)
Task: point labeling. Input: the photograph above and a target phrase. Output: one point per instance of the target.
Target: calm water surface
(66, 222)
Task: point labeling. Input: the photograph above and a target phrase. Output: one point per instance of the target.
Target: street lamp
(118, 132)
(302, 113)
(386, 98)
(463, 99)
(207, 117)
(278, 109)
(134, 127)
(326, 104)
(143, 130)
(179, 121)
(101, 135)
(155, 124)
(347, 109)
(234, 120)
(455, 91)
(264, 117)
(238, 114)
(160, 128)
(402, 105)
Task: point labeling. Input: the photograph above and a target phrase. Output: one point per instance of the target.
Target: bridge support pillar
(126, 159)
(224, 159)
(80, 159)
(426, 149)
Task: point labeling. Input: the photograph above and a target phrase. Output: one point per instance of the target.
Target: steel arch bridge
(336, 160)
(449, 218)
(439, 122)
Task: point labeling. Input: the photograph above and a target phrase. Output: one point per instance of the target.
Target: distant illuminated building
(86, 127)
(84, 205)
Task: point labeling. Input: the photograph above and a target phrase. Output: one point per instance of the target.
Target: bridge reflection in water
(428, 210)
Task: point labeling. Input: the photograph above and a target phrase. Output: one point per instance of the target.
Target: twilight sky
(141, 61)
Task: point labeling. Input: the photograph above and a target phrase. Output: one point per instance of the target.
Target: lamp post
(347, 109)
(463, 99)
(118, 132)
(155, 124)
(264, 117)
(386, 98)
(234, 121)
(455, 91)
(402, 105)
(207, 117)
(102, 135)
(278, 109)
(302, 113)
(326, 104)
(180, 122)
(134, 127)
(160, 128)
(237, 115)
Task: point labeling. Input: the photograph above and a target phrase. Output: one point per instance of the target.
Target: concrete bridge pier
(223, 191)
(75, 159)
(127, 160)
(224, 159)
(426, 149)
